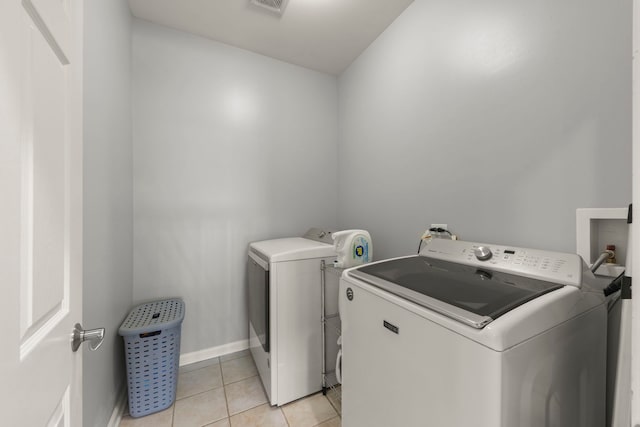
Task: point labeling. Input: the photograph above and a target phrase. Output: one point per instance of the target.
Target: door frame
(635, 236)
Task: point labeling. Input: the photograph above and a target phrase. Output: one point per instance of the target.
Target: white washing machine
(467, 334)
(285, 330)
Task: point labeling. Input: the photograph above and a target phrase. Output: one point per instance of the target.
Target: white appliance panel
(427, 374)
(292, 368)
(296, 359)
(423, 372)
(558, 378)
(541, 364)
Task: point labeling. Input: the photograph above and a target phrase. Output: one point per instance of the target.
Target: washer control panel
(556, 267)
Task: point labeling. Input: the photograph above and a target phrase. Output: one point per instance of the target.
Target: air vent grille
(276, 6)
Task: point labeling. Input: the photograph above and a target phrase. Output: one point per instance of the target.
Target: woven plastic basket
(151, 334)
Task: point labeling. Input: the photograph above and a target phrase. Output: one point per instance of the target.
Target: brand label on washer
(392, 328)
(349, 294)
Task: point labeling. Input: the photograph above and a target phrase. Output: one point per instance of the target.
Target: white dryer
(285, 330)
(467, 334)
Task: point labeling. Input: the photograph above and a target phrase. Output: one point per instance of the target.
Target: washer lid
(471, 295)
(290, 249)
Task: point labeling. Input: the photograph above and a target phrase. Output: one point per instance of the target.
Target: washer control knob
(483, 253)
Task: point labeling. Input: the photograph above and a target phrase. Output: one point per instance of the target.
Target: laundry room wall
(108, 201)
(498, 118)
(229, 147)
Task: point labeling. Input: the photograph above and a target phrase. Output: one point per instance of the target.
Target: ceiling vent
(276, 6)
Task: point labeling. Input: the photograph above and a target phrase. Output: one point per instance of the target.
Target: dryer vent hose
(339, 361)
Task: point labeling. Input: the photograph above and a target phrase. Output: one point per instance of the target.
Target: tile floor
(227, 392)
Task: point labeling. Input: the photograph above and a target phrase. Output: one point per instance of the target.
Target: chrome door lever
(94, 336)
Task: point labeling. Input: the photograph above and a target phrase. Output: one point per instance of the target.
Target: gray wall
(108, 211)
(499, 118)
(229, 147)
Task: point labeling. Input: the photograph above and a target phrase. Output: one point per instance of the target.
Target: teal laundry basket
(151, 334)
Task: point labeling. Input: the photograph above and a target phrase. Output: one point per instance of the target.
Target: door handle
(94, 336)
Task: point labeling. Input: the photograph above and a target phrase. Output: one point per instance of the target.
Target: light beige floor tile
(201, 409)
(236, 355)
(159, 419)
(221, 423)
(335, 398)
(238, 369)
(245, 394)
(333, 422)
(263, 416)
(198, 365)
(194, 382)
(309, 412)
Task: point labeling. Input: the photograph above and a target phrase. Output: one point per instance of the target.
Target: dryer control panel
(556, 267)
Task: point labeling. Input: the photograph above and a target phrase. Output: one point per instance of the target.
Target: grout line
(222, 374)
(248, 356)
(332, 418)
(269, 406)
(222, 370)
(238, 356)
(336, 415)
(211, 422)
(226, 399)
(224, 387)
(186, 370)
(244, 379)
(198, 393)
(204, 391)
(335, 408)
(253, 407)
(284, 414)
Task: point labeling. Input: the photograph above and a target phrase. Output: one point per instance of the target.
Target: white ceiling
(324, 35)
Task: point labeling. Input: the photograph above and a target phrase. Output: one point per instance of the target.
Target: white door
(40, 211)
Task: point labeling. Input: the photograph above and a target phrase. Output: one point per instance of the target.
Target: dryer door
(259, 298)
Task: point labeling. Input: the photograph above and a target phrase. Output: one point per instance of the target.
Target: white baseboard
(210, 353)
(118, 410)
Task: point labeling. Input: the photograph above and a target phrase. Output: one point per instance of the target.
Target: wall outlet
(439, 226)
